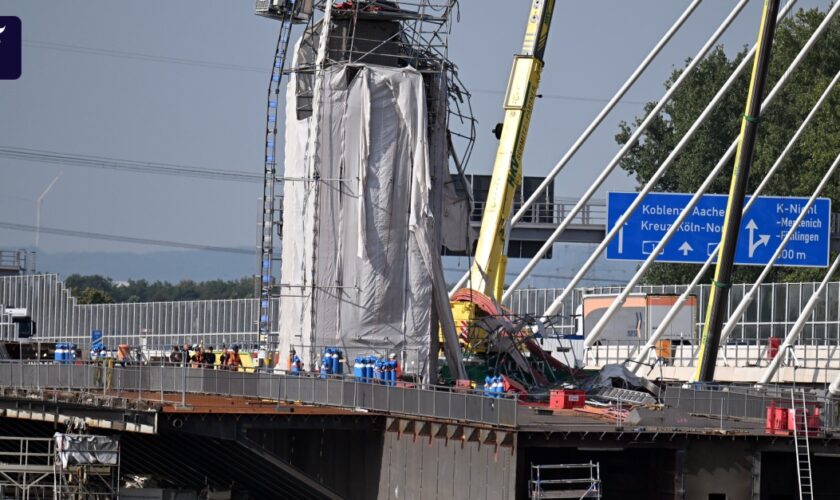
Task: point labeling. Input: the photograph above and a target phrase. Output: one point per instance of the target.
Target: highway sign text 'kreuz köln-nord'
(762, 229)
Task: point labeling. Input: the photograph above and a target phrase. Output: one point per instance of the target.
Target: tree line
(804, 166)
(97, 289)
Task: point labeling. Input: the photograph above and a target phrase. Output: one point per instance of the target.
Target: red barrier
(566, 399)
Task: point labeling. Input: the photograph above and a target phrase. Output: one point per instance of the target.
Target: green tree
(95, 296)
(96, 289)
(802, 169)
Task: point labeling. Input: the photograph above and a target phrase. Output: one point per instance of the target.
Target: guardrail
(742, 401)
(553, 213)
(345, 392)
(742, 355)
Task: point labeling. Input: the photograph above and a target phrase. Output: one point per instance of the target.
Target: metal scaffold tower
(565, 481)
(26, 467)
(289, 13)
(386, 33)
(86, 467)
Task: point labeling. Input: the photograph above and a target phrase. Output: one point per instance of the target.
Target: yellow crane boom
(488, 270)
(487, 275)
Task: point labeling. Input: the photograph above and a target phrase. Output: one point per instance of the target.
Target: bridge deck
(184, 390)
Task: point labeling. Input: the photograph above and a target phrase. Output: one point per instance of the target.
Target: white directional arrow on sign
(685, 248)
(763, 239)
(621, 240)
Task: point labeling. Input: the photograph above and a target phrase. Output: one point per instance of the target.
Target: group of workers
(228, 358)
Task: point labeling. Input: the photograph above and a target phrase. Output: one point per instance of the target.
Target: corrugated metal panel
(773, 312)
(59, 317)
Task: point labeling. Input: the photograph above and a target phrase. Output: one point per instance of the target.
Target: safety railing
(741, 401)
(682, 353)
(545, 213)
(14, 260)
(156, 381)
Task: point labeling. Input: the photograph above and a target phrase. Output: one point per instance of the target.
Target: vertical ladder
(803, 448)
(271, 216)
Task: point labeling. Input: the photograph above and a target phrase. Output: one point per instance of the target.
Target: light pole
(38, 211)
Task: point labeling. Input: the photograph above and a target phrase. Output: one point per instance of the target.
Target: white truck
(638, 318)
(631, 326)
(15, 323)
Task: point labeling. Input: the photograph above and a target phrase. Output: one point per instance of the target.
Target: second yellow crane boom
(488, 270)
(487, 274)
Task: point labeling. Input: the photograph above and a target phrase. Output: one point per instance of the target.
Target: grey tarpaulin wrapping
(362, 223)
(81, 449)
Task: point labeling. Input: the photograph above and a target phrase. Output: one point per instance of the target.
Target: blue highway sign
(762, 229)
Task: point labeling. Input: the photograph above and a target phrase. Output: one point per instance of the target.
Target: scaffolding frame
(561, 481)
(85, 481)
(420, 41)
(26, 467)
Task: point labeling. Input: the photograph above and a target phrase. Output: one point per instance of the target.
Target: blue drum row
(331, 362)
(375, 370)
(494, 386)
(65, 353)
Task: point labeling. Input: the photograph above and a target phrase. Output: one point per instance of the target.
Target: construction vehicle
(15, 323)
(638, 318)
(486, 329)
(632, 325)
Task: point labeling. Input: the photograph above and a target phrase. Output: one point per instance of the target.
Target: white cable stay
(793, 335)
(555, 306)
(641, 356)
(750, 295)
(601, 116)
(631, 141)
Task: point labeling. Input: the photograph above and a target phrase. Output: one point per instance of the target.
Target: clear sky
(94, 84)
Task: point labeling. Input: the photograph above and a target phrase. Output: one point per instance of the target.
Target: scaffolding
(565, 481)
(26, 467)
(85, 467)
(384, 33)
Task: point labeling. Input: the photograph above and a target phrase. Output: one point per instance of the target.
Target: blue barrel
(500, 387)
(61, 353)
(358, 369)
(369, 369)
(325, 367)
(336, 362)
(393, 372)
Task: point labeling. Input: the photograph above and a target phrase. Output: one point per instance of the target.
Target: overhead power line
(561, 97)
(102, 162)
(123, 239)
(544, 276)
(120, 54)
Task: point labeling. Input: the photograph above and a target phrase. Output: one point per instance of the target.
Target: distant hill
(172, 266)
